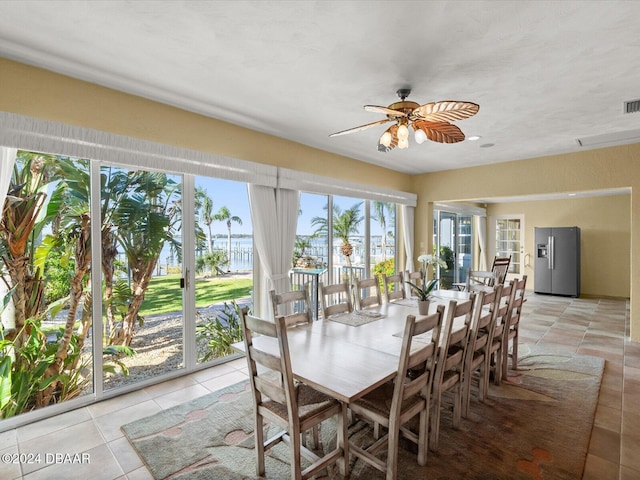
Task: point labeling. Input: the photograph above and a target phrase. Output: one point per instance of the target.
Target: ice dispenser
(543, 250)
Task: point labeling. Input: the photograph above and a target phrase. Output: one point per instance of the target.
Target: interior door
(507, 239)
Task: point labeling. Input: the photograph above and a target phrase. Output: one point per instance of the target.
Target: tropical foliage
(46, 226)
(219, 334)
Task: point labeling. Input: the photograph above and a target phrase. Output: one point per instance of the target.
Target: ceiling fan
(429, 121)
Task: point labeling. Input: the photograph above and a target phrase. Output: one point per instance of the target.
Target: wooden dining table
(346, 361)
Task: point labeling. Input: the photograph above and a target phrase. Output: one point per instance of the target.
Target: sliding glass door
(142, 274)
(453, 241)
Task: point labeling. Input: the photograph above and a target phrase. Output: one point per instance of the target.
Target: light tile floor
(589, 326)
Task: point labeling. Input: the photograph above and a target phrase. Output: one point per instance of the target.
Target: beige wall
(605, 229)
(34, 92)
(38, 93)
(606, 168)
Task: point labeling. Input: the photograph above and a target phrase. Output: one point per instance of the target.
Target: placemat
(356, 318)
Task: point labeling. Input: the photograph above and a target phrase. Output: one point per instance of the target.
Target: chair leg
(435, 423)
(497, 373)
(259, 440)
(343, 440)
(466, 394)
(457, 406)
(423, 434)
(392, 453)
(295, 445)
(514, 352)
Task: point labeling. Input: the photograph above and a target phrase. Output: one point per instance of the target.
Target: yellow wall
(34, 92)
(41, 94)
(605, 230)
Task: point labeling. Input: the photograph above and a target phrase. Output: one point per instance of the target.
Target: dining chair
(394, 287)
(512, 325)
(395, 403)
(450, 365)
(500, 268)
(496, 341)
(475, 368)
(294, 305)
(368, 284)
(477, 280)
(335, 299)
(414, 277)
(291, 406)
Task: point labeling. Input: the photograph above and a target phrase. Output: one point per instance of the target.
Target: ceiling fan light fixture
(386, 138)
(420, 136)
(403, 132)
(430, 121)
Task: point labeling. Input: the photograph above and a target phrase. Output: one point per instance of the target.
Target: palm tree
(224, 215)
(345, 223)
(147, 218)
(204, 205)
(379, 210)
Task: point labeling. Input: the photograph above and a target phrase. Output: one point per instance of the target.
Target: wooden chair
(294, 407)
(477, 280)
(475, 363)
(512, 325)
(496, 341)
(450, 364)
(414, 277)
(500, 268)
(335, 299)
(372, 300)
(394, 287)
(296, 301)
(397, 402)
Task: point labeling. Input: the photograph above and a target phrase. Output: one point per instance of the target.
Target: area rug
(535, 426)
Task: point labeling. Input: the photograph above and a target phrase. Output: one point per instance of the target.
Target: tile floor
(589, 326)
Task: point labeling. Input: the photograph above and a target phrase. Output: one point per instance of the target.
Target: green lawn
(165, 295)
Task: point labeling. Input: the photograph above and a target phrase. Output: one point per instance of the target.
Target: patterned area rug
(535, 426)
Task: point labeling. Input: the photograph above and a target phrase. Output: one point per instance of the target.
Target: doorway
(453, 240)
(506, 238)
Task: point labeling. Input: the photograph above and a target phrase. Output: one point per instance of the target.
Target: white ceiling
(543, 72)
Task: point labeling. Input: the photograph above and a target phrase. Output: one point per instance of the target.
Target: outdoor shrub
(220, 333)
(388, 267)
(57, 284)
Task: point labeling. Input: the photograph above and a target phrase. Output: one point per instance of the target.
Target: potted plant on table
(423, 291)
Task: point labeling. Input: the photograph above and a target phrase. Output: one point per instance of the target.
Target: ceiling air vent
(632, 106)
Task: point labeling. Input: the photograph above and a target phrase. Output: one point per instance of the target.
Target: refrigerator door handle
(552, 253)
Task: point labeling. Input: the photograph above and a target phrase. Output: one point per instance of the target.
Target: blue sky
(233, 195)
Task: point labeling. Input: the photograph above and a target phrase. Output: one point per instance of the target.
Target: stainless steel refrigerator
(557, 261)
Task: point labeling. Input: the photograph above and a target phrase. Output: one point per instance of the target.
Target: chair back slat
(394, 286)
(285, 304)
(335, 299)
(369, 284)
(500, 268)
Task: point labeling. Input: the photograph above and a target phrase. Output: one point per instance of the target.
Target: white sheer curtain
(408, 214)
(274, 214)
(7, 159)
(481, 228)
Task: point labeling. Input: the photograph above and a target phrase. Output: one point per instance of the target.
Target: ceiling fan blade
(446, 111)
(441, 132)
(384, 110)
(360, 128)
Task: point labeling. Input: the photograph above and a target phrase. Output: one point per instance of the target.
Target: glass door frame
(455, 240)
